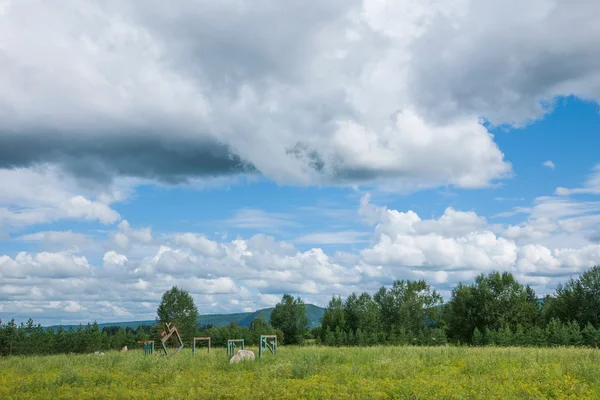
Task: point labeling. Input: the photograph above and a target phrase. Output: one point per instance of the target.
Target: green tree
(408, 306)
(477, 337)
(290, 317)
(362, 312)
(334, 316)
(329, 337)
(590, 335)
(556, 333)
(494, 301)
(520, 339)
(505, 336)
(259, 326)
(536, 336)
(578, 299)
(177, 307)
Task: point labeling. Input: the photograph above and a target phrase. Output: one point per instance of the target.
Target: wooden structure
(231, 345)
(167, 333)
(200, 339)
(267, 342)
(148, 346)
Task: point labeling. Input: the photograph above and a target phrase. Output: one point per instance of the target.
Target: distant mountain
(314, 314)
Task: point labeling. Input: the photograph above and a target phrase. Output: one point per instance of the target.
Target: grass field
(311, 373)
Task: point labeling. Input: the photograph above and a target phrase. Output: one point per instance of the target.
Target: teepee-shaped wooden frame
(167, 333)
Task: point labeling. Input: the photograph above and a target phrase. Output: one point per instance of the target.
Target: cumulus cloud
(198, 243)
(126, 235)
(253, 272)
(44, 194)
(114, 258)
(398, 94)
(345, 92)
(332, 93)
(44, 265)
(507, 66)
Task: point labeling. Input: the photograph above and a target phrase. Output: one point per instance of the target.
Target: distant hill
(314, 314)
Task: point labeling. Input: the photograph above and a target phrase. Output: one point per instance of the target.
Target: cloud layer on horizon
(133, 265)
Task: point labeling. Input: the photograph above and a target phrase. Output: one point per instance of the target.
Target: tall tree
(290, 317)
(333, 317)
(493, 302)
(409, 306)
(361, 312)
(578, 299)
(177, 307)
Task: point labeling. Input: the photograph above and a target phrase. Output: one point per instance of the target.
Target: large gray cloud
(300, 92)
(507, 60)
(100, 157)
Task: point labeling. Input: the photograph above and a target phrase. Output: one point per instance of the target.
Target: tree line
(29, 338)
(288, 321)
(493, 310)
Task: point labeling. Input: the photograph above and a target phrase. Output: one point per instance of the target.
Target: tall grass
(312, 373)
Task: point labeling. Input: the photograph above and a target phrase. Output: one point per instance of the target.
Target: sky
(241, 150)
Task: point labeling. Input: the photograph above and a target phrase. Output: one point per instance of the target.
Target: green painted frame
(148, 346)
(231, 345)
(267, 342)
(200, 339)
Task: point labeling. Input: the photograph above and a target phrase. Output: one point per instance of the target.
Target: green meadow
(310, 372)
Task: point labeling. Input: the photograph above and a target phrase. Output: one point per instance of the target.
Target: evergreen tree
(575, 338)
(330, 339)
(477, 337)
(520, 339)
(505, 336)
(334, 316)
(590, 336)
(556, 334)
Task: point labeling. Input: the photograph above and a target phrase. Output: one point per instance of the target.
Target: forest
(495, 310)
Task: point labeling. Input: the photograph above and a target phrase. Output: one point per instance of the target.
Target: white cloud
(548, 164)
(126, 235)
(68, 238)
(555, 221)
(114, 258)
(44, 195)
(343, 237)
(198, 243)
(257, 271)
(72, 306)
(259, 219)
(590, 186)
(553, 242)
(338, 94)
(44, 265)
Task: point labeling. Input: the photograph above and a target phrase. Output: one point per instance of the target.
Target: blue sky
(348, 146)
